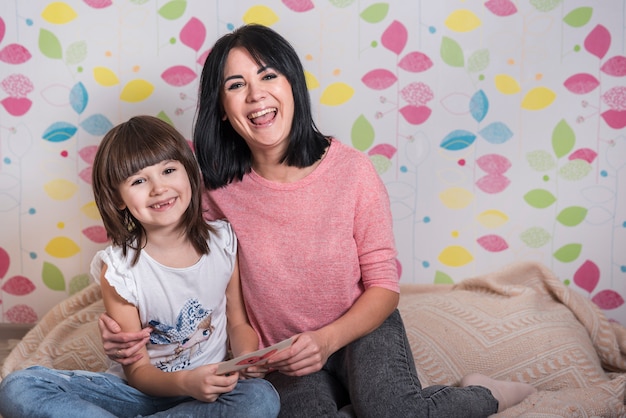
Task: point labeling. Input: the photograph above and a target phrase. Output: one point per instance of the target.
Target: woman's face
(257, 101)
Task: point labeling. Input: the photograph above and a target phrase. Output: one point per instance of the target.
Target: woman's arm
(201, 383)
(310, 350)
(243, 339)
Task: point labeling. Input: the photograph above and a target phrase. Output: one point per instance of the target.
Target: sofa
(519, 323)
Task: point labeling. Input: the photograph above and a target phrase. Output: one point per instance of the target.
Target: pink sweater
(307, 250)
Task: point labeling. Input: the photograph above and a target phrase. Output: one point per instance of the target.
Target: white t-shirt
(186, 306)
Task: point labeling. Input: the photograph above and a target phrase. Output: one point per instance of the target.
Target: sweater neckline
(308, 179)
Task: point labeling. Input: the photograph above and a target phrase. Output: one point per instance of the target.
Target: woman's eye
(269, 76)
(234, 86)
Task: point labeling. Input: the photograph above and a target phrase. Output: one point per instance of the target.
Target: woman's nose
(255, 92)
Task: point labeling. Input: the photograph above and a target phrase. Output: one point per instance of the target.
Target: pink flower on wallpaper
(586, 154)
(98, 4)
(501, 7)
(581, 83)
(598, 41)
(299, 5)
(615, 66)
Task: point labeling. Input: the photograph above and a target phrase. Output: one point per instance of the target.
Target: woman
(317, 252)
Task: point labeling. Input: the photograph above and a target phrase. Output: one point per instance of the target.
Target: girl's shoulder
(223, 236)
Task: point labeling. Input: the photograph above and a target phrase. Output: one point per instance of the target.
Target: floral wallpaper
(497, 126)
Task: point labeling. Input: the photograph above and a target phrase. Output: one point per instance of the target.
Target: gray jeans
(375, 376)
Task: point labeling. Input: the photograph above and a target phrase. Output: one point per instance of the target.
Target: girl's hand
(121, 347)
(204, 385)
(308, 354)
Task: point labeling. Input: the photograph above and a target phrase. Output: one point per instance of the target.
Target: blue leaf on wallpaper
(96, 124)
(479, 106)
(458, 140)
(59, 132)
(496, 133)
(79, 98)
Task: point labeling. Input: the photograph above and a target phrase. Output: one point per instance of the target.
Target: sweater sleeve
(373, 232)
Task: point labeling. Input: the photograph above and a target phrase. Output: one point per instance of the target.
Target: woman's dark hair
(127, 148)
(222, 153)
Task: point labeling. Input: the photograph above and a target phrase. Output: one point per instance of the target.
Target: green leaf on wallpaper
(539, 198)
(541, 160)
(563, 139)
(478, 61)
(139, 2)
(78, 283)
(442, 278)
(163, 116)
(49, 44)
(374, 13)
(381, 163)
(535, 237)
(362, 133)
(572, 216)
(575, 170)
(568, 252)
(451, 52)
(52, 277)
(578, 17)
(173, 9)
(76, 53)
(545, 5)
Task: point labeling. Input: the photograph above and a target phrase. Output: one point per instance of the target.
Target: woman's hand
(307, 354)
(121, 347)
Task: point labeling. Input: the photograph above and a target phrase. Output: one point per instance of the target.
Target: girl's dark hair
(127, 148)
(222, 153)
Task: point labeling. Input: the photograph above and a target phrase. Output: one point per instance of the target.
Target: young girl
(166, 268)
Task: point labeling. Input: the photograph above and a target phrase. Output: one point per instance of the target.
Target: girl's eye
(135, 182)
(169, 170)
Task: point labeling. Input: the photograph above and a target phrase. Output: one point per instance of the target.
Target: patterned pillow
(527, 336)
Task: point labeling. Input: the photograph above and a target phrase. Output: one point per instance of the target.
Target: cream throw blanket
(520, 323)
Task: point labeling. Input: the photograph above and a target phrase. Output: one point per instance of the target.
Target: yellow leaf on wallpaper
(538, 98)
(492, 218)
(311, 80)
(260, 14)
(105, 77)
(62, 247)
(507, 84)
(136, 91)
(462, 20)
(336, 94)
(60, 189)
(456, 197)
(91, 210)
(455, 256)
(59, 13)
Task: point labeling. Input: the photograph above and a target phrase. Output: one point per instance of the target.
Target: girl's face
(258, 101)
(158, 195)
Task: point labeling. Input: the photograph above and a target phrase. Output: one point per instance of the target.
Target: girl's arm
(243, 338)
(201, 383)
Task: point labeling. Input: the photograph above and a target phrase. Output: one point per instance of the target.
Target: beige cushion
(519, 324)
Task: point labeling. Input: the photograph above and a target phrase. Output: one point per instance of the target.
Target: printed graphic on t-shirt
(192, 327)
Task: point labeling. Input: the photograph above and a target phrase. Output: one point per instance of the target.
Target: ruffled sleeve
(224, 239)
(118, 274)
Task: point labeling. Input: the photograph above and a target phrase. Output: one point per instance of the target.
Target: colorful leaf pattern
(487, 152)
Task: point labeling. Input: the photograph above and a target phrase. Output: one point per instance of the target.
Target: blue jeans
(375, 376)
(42, 392)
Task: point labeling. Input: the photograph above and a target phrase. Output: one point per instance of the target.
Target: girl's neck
(172, 249)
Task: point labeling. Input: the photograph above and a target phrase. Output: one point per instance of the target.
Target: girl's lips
(163, 204)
